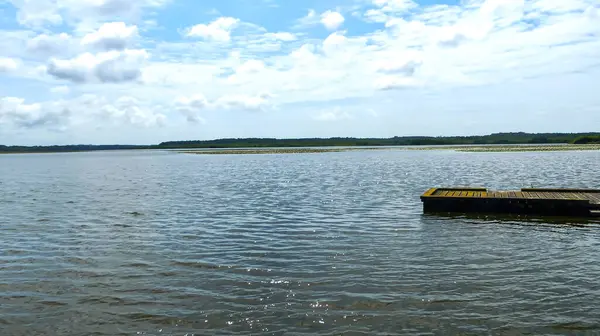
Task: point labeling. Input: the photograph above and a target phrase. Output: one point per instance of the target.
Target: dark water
(153, 243)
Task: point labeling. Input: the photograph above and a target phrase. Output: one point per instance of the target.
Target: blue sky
(146, 71)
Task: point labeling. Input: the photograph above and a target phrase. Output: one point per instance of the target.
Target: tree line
(587, 139)
(491, 139)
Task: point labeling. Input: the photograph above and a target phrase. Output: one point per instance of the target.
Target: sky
(147, 71)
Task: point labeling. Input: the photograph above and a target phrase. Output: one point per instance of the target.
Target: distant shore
(496, 139)
(513, 148)
(470, 149)
(278, 150)
(334, 149)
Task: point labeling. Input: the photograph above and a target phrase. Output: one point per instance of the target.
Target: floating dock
(530, 201)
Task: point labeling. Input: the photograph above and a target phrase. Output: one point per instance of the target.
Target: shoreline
(515, 148)
(493, 139)
(455, 148)
(493, 148)
(283, 150)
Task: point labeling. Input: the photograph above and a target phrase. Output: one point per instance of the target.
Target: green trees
(66, 148)
(491, 139)
(587, 139)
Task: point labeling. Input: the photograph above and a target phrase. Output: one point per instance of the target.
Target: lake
(162, 243)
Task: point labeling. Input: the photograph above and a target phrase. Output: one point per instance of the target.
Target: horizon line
(312, 138)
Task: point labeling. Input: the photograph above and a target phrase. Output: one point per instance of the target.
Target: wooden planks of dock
(538, 201)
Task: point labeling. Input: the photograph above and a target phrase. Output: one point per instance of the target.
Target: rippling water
(160, 243)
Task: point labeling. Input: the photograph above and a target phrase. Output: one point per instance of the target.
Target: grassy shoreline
(337, 149)
(494, 139)
(513, 148)
(285, 150)
(469, 149)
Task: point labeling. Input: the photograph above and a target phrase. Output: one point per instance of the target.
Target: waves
(330, 244)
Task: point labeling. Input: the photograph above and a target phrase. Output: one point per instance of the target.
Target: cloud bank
(149, 69)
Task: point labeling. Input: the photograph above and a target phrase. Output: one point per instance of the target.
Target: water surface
(162, 243)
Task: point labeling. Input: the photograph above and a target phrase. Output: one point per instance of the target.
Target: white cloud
(406, 62)
(191, 107)
(255, 40)
(592, 13)
(197, 101)
(552, 6)
(310, 19)
(334, 114)
(102, 7)
(39, 13)
(218, 30)
(439, 48)
(335, 42)
(194, 105)
(303, 55)
(251, 66)
(372, 112)
(15, 111)
(87, 109)
(111, 36)
(105, 67)
(395, 5)
(281, 36)
(375, 15)
(390, 82)
(8, 64)
(133, 111)
(44, 45)
(332, 20)
(245, 102)
(181, 76)
(246, 71)
(62, 90)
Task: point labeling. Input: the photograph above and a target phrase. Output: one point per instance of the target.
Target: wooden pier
(527, 201)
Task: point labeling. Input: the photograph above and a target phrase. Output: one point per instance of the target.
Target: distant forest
(492, 139)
